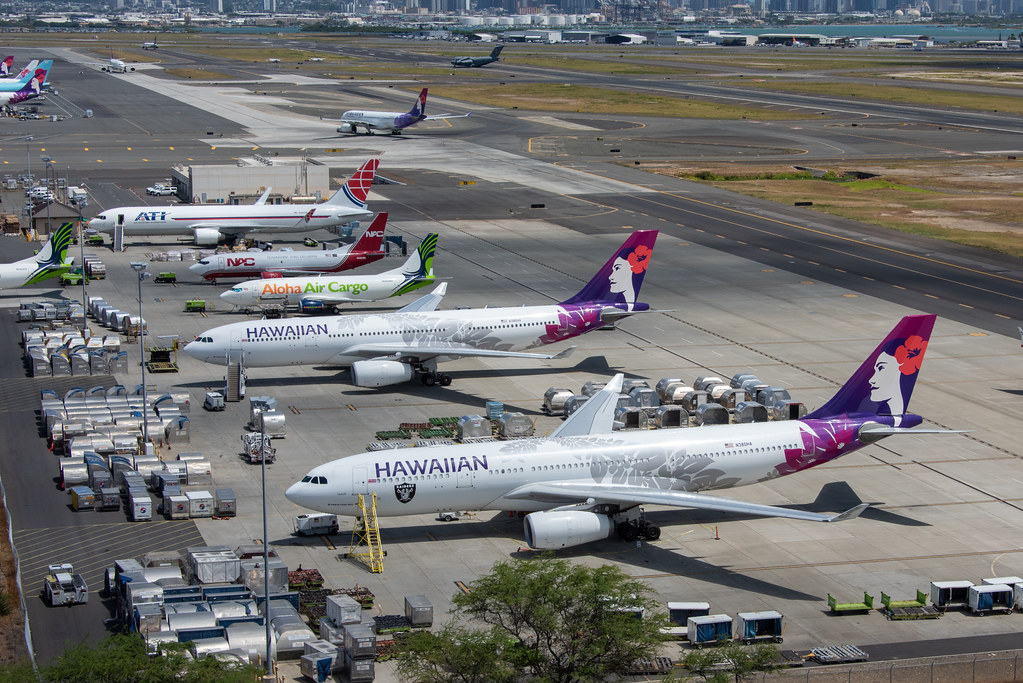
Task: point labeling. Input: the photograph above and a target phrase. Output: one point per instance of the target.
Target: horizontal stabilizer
(874, 432)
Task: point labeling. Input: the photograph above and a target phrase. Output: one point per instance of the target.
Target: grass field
(557, 97)
(199, 74)
(975, 202)
(246, 54)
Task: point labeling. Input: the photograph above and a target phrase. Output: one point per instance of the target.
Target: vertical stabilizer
(55, 249)
(6, 66)
(419, 108)
(355, 190)
(884, 382)
(495, 53)
(618, 281)
(372, 238)
(418, 269)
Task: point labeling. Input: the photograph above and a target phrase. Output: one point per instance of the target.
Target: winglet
(428, 302)
(852, 513)
(263, 197)
(596, 416)
(564, 353)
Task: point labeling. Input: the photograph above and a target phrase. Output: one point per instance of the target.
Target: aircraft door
(359, 480)
(120, 219)
(466, 479)
(235, 353)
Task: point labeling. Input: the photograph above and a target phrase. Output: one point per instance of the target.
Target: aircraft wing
(430, 302)
(588, 494)
(596, 416)
(262, 197)
(443, 349)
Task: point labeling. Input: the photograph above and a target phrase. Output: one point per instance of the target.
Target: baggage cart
(945, 594)
(712, 629)
(754, 627)
(986, 599)
(847, 607)
(903, 610)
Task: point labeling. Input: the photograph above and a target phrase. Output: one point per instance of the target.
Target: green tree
(730, 662)
(125, 659)
(456, 653)
(566, 620)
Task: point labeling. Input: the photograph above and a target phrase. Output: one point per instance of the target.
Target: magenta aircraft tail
(884, 382)
(617, 283)
(355, 190)
(6, 66)
(419, 108)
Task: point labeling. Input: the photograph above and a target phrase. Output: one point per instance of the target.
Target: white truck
(63, 587)
(315, 525)
(159, 190)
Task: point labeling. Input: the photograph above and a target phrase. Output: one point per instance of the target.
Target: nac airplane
(394, 121)
(364, 250)
(51, 261)
(29, 88)
(585, 482)
(329, 290)
(210, 224)
(388, 348)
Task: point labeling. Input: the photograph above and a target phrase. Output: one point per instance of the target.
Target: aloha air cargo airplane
(393, 121)
(366, 249)
(51, 261)
(211, 224)
(329, 290)
(388, 348)
(585, 482)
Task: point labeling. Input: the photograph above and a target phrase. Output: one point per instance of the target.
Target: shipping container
(990, 598)
(945, 594)
(200, 504)
(82, 498)
(109, 499)
(754, 626)
(141, 508)
(358, 670)
(554, 400)
(709, 630)
(343, 610)
(224, 503)
(360, 641)
(514, 425)
(418, 610)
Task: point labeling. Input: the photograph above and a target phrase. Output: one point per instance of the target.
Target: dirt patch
(12, 627)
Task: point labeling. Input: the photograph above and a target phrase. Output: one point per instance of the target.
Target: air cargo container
(945, 594)
(757, 626)
(709, 630)
(991, 598)
(418, 610)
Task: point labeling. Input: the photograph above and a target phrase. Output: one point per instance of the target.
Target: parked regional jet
(364, 250)
(19, 81)
(210, 224)
(478, 61)
(584, 482)
(394, 121)
(29, 89)
(388, 348)
(51, 261)
(330, 290)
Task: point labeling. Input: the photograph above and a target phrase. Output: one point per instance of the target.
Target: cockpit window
(306, 479)
(237, 289)
(204, 340)
(204, 262)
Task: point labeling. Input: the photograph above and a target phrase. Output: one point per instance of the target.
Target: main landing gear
(631, 530)
(430, 377)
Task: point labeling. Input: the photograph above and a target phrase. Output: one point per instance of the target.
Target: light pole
(142, 269)
(77, 201)
(46, 163)
(28, 156)
(266, 547)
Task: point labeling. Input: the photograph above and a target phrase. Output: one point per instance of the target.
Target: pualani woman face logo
(627, 268)
(898, 362)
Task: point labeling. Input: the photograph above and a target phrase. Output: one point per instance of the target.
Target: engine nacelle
(208, 236)
(379, 373)
(555, 529)
(311, 306)
(346, 128)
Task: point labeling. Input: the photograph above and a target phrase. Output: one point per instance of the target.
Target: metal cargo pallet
(906, 613)
(839, 654)
(651, 667)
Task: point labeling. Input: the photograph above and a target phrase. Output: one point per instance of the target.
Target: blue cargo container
(187, 634)
(753, 626)
(709, 630)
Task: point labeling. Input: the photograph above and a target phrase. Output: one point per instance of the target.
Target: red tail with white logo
(372, 238)
(356, 189)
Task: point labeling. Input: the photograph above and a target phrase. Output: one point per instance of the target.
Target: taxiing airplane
(51, 261)
(210, 224)
(21, 79)
(470, 62)
(116, 66)
(30, 89)
(150, 45)
(585, 482)
(364, 250)
(388, 348)
(330, 290)
(393, 121)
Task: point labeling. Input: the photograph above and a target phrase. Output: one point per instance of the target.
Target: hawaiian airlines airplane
(6, 65)
(584, 482)
(331, 290)
(366, 249)
(388, 348)
(21, 79)
(394, 121)
(28, 88)
(210, 224)
(51, 261)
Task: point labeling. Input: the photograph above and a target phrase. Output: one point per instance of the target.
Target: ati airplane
(388, 348)
(585, 482)
(393, 121)
(328, 290)
(366, 249)
(211, 224)
(51, 261)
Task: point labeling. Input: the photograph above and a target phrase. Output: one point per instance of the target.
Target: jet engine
(208, 236)
(346, 128)
(379, 373)
(555, 529)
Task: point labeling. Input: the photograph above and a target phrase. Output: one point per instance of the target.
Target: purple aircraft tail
(618, 282)
(884, 382)
(6, 65)
(419, 108)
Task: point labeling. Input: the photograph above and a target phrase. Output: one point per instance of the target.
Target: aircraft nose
(196, 268)
(192, 349)
(298, 493)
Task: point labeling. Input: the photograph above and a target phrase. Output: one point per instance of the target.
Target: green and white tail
(418, 269)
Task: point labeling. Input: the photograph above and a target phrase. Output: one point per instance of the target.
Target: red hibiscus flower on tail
(911, 354)
(640, 258)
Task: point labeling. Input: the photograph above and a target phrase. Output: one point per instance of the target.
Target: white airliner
(213, 223)
(116, 66)
(150, 45)
(366, 249)
(30, 87)
(393, 121)
(11, 81)
(387, 348)
(330, 290)
(585, 482)
(50, 262)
